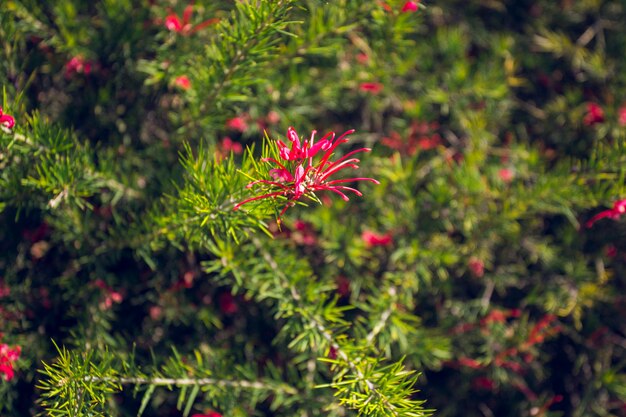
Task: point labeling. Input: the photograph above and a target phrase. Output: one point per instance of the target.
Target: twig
(195, 381)
(383, 318)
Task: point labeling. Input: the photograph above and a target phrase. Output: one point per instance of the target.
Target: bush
(176, 241)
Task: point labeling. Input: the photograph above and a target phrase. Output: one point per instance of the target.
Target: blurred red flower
(410, 6)
(482, 382)
(343, 286)
(6, 120)
(7, 360)
(374, 239)
(477, 267)
(184, 26)
(505, 174)
(272, 117)
(622, 116)
(226, 303)
(594, 115)
(237, 123)
(78, 65)
(469, 363)
(618, 209)
(183, 82)
(227, 145)
(362, 58)
(373, 88)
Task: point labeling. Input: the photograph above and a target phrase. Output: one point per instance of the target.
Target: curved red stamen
(259, 197)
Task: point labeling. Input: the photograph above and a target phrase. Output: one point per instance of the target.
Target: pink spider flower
(299, 175)
(618, 209)
(302, 151)
(6, 120)
(184, 26)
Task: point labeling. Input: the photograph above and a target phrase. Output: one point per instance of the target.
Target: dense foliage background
(497, 131)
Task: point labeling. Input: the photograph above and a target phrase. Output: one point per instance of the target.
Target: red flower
(237, 123)
(183, 82)
(469, 363)
(77, 65)
(227, 145)
(272, 117)
(540, 330)
(7, 359)
(297, 175)
(494, 316)
(429, 142)
(332, 353)
(505, 174)
(343, 286)
(373, 88)
(410, 6)
(110, 296)
(6, 120)
(482, 382)
(304, 234)
(227, 303)
(477, 267)
(619, 208)
(184, 26)
(362, 58)
(622, 116)
(173, 23)
(374, 239)
(594, 115)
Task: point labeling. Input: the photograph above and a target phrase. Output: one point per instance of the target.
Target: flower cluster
(7, 359)
(618, 209)
(6, 120)
(299, 173)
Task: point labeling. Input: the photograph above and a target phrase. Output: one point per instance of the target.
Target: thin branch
(486, 298)
(382, 321)
(197, 381)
